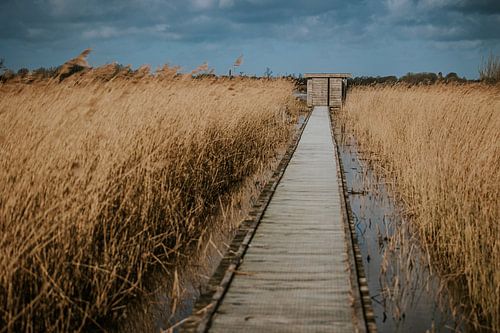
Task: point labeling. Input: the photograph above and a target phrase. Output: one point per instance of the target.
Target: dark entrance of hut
(326, 89)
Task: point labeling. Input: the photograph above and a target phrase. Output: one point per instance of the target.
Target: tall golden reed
(441, 147)
(102, 178)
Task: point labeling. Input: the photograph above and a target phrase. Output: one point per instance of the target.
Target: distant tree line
(423, 78)
(40, 73)
(107, 72)
(489, 72)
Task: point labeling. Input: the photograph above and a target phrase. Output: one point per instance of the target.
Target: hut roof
(335, 75)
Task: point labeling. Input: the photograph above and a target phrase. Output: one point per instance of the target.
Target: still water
(407, 296)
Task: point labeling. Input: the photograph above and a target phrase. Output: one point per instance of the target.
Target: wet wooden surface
(295, 275)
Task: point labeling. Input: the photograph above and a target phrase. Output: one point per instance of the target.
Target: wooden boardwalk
(297, 273)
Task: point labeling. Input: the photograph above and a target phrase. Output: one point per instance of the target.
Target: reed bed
(440, 147)
(105, 176)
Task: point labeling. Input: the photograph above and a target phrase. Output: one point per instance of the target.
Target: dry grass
(105, 177)
(441, 147)
(489, 71)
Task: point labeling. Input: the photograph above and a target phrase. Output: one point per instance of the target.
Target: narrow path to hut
(296, 275)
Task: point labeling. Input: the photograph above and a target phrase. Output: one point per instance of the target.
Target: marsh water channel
(406, 295)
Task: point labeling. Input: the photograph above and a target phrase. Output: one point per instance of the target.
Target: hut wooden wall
(324, 89)
(320, 91)
(309, 93)
(335, 93)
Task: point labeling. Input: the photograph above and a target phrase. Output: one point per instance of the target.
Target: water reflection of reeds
(406, 293)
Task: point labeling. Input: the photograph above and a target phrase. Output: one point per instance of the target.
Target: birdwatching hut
(326, 89)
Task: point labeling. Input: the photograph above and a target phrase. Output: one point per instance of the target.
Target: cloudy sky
(365, 37)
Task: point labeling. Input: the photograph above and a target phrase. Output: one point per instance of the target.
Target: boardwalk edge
(218, 284)
(358, 276)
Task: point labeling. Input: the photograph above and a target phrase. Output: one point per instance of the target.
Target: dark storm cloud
(187, 20)
(197, 20)
(445, 20)
(283, 10)
(56, 19)
(181, 29)
(488, 7)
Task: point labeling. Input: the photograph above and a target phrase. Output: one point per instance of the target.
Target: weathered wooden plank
(319, 91)
(335, 92)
